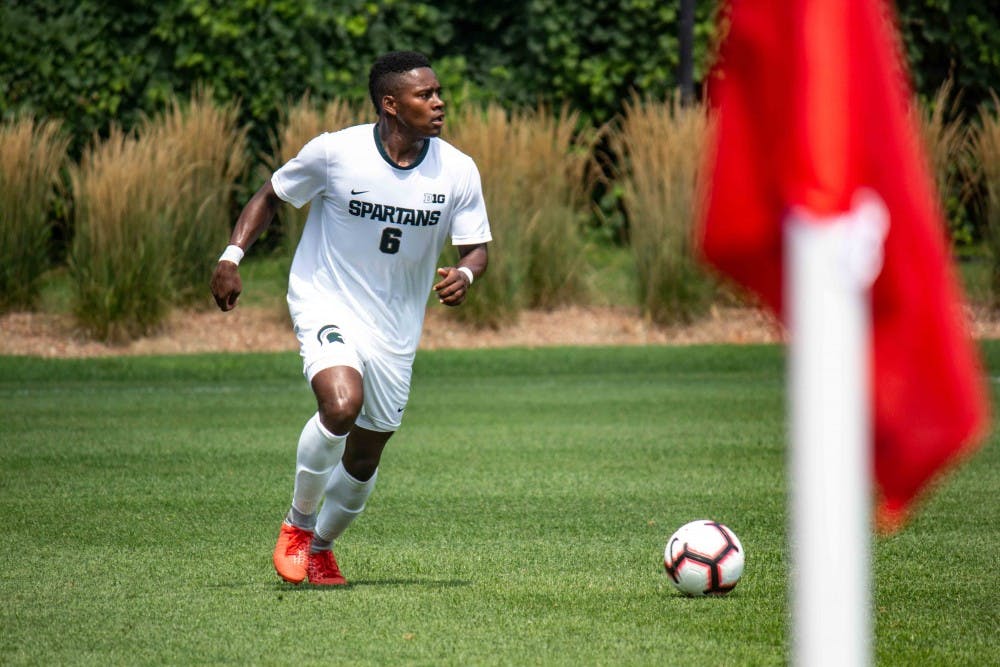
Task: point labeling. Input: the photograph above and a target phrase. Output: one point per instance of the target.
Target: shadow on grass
(285, 587)
(377, 583)
(381, 583)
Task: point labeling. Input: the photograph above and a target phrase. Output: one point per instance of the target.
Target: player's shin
(318, 453)
(345, 500)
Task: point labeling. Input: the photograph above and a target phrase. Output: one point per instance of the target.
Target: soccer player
(384, 196)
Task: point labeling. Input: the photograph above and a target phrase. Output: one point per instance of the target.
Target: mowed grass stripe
(519, 518)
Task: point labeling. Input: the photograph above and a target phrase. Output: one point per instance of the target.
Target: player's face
(419, 107)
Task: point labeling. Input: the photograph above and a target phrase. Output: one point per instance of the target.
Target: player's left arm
(455, 280)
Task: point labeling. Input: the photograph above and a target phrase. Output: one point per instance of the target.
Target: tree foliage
(91, 62)
(592, 56)
(953, 39)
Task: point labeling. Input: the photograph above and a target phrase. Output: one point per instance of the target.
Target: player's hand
(226, 285)
(452, 287)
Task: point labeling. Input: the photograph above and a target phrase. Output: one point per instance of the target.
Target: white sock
(318, 453)
(345, 499)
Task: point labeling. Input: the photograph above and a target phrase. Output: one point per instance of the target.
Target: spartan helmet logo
(329, 334)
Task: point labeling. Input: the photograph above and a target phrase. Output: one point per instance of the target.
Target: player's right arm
(254, 219)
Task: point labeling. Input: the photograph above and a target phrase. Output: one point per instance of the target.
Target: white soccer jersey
(375, 230)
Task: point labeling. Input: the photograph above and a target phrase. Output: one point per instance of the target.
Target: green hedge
(959, 39)
(90, 62)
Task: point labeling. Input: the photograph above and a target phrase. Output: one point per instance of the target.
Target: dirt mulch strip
(268, 330)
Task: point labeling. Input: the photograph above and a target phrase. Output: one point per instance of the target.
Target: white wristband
(467, 271)
(232, 253)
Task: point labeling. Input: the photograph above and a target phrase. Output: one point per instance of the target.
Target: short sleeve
(303, 177)
(470, 224)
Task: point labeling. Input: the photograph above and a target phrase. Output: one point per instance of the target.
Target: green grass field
(519, 519)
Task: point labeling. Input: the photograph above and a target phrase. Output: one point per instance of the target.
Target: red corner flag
(813, 103)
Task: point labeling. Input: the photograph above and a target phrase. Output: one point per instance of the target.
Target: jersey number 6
(390, 240)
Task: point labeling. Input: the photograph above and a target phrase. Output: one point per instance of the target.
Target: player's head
(387, 70)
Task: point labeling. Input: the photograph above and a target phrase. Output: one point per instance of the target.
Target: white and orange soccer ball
(704, 558)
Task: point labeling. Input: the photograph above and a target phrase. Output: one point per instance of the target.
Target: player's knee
(339, 413)
(361, 468)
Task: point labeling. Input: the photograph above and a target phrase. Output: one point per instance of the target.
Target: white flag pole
(830, 264)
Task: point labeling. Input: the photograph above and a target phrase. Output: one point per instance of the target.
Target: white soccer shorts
(330, 337)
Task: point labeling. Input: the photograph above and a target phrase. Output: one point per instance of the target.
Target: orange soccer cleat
(291, 554)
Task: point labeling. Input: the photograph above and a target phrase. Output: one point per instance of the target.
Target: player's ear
(389, 105)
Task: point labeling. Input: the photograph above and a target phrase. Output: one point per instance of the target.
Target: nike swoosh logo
(358, 192)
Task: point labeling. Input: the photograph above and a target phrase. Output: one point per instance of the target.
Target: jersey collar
(385, 156)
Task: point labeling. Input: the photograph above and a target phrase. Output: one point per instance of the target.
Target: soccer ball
(704, 558)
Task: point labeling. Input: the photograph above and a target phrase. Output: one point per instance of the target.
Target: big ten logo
(432, 198)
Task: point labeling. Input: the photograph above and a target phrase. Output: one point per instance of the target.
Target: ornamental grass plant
(659, 148)
(532, 164)
(946, 140)
(121, 256)
(207, 150)
(556, 156)
(984, 170)
(483, 133)
(32, 156)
